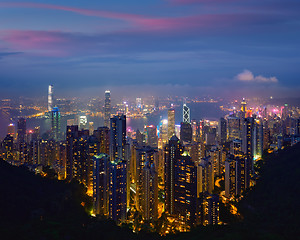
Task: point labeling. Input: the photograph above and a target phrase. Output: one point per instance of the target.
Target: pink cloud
(149, 23)
(248, 76)
(40, 42)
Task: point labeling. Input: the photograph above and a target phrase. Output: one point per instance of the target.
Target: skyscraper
(117, 137)
(171, 123)
(151, 134)
(21, 140)
(101, 184)
(173, 152)
(186, 132)
(55, 124)
(185, 188)
(117, 190)
(186, 117)
(222, 130)
(107, 108)
(233, 124)
(50, 98)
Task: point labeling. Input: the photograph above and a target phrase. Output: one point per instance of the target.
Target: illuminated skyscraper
(232, 177)
(186, 132)
(50, 98)
(55, 124)
(233, 124)
(171, 123)
(101, 184)
(150, 192)
(173, 152)
(222, 130)
(107, 108)
(82, 122)
(244, 106)
(144, 155)
(185, 189)
(117, 190)
(151, 134)
(102, 135)
(186, 117)
(21, 140)
(117, 137)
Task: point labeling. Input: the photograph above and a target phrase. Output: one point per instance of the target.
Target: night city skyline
(196, 47)
(149, 120)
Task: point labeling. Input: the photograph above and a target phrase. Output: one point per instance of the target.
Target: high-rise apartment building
(101, 184)
(117, 137)
(118, 190)
(173, 151)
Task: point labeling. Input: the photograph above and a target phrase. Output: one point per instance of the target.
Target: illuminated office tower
(171, 123)
(185, 189)
(21, 140)
(149, 202)
(233, 127)
(186, 116)
(186, 132)
(196, 130)
(117, 137)
(102, 135)
(82, 122)
(232, 177)
(50, 98)
(55, 124)
(101, 184)
(258, 137)
(107, 108)
(173, 151)
(243, 107)
(247, 139)
(151, 134)
(117, 190)
(143, 155)
(222, 130)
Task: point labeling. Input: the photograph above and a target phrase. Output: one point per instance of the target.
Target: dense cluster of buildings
(165, 172)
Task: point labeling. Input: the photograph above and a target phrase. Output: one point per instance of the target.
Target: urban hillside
(35, 207)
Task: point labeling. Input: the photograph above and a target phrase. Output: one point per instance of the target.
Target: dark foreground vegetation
(33, 207)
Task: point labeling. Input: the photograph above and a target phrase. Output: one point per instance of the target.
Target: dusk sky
(162, 46)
